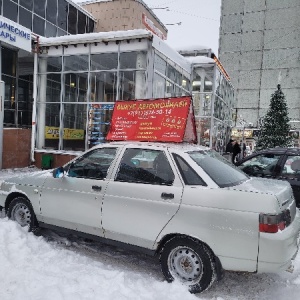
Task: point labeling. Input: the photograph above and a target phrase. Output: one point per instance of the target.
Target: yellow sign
(52, 133)
(238, 133)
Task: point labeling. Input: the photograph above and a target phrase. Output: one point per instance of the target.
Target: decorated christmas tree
(276, 126)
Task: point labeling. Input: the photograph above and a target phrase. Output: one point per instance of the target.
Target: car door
(291, 173)
(262, 165)
(74, 201)
(142, 198)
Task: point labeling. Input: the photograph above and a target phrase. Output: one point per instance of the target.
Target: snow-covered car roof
(175, 146)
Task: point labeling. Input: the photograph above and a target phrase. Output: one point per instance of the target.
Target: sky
(55, 266)
(200, 21)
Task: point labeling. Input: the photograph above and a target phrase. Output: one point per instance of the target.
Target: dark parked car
(277, 163)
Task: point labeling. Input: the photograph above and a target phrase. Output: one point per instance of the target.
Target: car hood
(281, 189)
(34, 179)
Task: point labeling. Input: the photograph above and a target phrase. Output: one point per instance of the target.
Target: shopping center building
(63, 90)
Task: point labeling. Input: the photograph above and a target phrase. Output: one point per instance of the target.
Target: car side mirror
(58, 172)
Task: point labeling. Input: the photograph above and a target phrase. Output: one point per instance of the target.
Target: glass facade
(169, 80)
(213, 97)
(47, 18)
(78, 87)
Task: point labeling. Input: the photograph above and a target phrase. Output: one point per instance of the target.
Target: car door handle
(167, 196)
(96, 187)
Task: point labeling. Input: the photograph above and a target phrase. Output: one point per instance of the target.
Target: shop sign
(150, 26)
(98, 121)
(52, 133)
(238, 133)
(159, 120)
(14, 34)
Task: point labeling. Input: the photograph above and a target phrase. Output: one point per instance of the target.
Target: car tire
(21, 211)
(189, 261)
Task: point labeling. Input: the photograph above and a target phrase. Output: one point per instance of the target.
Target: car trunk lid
(280, 189)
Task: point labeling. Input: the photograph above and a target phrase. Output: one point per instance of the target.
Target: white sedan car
(184, 203)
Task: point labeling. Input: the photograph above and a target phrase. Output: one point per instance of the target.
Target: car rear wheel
(189, 261)
(21, 211)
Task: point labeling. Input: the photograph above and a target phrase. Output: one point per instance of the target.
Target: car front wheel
(189, 261)
(21, 211)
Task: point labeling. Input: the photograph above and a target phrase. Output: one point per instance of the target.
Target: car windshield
(220, 170)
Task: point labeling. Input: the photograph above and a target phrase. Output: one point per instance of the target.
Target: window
(62, 15)
(91, 25)
(262, 165)
(160, 64)
(133, 60)
(81, 22)
(103, 87)
(50, 30)
(10, 10)
(51, 12)
(75, 87)
(25, 18)
(159, 86)
(72, 20)
(27, 4)
(173, 74)
(9, 61)
(76, 63)
(132, 85)
(292, 166)
(104, 61)
(145, 166)
(9, 100)
(38, 25)
(218, 168)
(54, 64)
(40, 7)
(93, 165)
(190, 177)
(74, 126)
(25, 101)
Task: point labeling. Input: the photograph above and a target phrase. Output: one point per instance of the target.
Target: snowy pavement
(64, 267)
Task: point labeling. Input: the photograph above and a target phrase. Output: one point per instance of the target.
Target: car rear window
(219, 169)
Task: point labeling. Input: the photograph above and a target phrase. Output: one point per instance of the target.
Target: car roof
(277, 150)
(280, 150)
(175, 146)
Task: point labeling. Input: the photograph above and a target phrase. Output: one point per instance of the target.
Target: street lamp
(178, 23)
(167, 8)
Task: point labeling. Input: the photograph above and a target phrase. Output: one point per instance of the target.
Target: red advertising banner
(158, 120)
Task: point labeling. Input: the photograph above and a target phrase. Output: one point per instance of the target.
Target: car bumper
(277, 250)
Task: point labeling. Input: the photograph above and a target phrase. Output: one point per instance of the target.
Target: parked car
(278, 163)
(185, 204)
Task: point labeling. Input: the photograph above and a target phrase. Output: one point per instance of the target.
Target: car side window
(190, 177)
(261, 165)
(291, 167)
(93, 165)
(145, 166)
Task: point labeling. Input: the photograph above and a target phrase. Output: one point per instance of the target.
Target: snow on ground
(64, 267)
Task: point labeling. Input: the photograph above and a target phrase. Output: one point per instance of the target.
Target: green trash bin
(47, 160)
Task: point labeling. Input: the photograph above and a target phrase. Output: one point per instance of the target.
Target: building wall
(16, 148)
(259, 47)
(120, 15)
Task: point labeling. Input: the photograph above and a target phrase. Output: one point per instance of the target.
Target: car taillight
(273, 223)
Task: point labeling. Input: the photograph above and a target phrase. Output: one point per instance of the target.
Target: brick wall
(16, 148)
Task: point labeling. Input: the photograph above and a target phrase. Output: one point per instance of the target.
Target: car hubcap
(21, 214)
(185, 265)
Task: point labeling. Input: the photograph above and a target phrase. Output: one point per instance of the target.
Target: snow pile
(32, 268)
